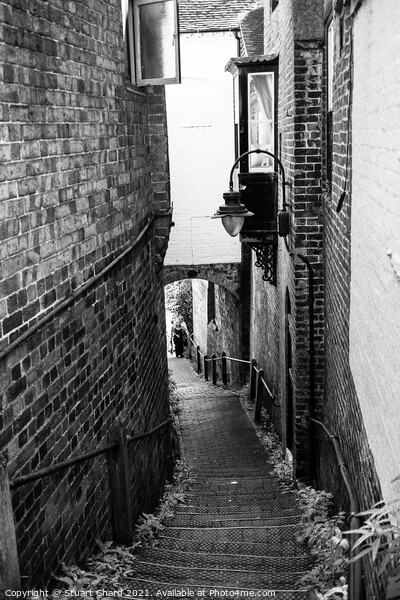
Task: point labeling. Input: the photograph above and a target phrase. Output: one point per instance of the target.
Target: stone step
(210, 576)
(235, 520)
(239, 510)
(205, 560)
(216, 546)
(273, 503)
(278, 536)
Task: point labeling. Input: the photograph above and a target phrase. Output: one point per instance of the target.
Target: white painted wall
(375, 248)
(201, 150)
(200, 294)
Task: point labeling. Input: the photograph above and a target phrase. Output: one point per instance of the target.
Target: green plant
(76, 579)
(324, 537)
(271, 442)
(380, 538)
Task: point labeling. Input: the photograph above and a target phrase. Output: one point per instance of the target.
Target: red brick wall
(299, 131)
(84, 165)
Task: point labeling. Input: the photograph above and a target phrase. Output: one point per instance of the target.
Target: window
(261, 124)
(255, 111)
(152, 41)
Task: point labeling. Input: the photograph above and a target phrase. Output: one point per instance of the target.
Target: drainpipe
(356, 590)
(310, 269)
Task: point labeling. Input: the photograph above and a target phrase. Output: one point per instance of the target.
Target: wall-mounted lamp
(252, 211)
(232, 212)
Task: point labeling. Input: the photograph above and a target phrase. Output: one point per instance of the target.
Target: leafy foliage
(380, 538)
(324, 537)
(271, 442)
(179, 301)
(150, 526)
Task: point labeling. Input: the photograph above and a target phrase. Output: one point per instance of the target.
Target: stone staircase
(235, 535)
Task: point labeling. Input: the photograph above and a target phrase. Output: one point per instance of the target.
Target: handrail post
(120, 488)
(9, 564)
(214, 369)
(253, 379)
(198, 359)
(224, 369)
(206, 367)
(259, 395)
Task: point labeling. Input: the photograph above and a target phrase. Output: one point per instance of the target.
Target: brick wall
(83, 166)
(299, 133)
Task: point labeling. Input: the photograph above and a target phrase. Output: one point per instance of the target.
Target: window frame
(133, 40)
(242, 68)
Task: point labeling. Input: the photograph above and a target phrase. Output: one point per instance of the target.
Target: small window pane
(157, 41)
(261, 120)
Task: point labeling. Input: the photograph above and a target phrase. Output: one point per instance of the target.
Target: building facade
(327, 334)
(84, 221)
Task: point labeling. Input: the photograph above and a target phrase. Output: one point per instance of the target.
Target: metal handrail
(65, 464)
(355, 569)
(63, 304)
(239, 360)
(271, 395)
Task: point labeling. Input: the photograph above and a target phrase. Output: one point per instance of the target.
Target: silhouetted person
(177, 336)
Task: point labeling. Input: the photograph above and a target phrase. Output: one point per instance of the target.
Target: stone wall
(82, 307)
(217, 326)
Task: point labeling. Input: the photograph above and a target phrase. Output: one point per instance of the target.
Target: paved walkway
(235, 536)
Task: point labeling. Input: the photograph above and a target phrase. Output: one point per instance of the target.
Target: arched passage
(226, 275)
(217, 310)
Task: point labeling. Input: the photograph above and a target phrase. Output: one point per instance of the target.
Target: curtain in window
(263, 87)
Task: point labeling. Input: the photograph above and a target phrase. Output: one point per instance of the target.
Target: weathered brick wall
(299, 133)
(227, 337)
(81, 173)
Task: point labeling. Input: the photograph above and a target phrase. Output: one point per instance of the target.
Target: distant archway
(226, 275)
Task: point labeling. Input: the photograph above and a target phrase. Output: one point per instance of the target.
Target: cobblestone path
(235, 536)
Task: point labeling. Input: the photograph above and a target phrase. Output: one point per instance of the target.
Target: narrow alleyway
(235, 536)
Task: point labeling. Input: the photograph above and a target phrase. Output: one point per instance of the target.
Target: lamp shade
(233, 224)
(232, 213)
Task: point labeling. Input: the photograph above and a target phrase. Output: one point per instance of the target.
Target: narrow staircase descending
(235, 535)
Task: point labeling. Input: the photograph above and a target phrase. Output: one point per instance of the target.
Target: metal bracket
(266, 254)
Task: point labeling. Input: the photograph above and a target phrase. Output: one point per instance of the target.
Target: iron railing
(117, 448)
(258, 383)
